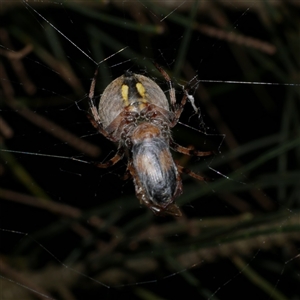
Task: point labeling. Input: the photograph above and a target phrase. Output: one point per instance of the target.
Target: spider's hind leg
(191, 151)
(191, 173)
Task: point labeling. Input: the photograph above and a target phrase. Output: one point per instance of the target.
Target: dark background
(72, 231)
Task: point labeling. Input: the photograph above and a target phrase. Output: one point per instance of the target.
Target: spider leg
(176, 108)
(191, 173)
(96, 122)
(99, 127)
(95, 118)
(117, 157)
(189, 150)
(168, 79)
(127, 175)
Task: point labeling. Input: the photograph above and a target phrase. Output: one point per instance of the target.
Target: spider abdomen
(131, 91)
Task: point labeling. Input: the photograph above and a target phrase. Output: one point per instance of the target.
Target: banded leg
(95, 118)
(99, 127)
(168, 79)
(117, 157)
(127, 175)
(189, 151)
(92, 97)
(176, 108)
(191, 173)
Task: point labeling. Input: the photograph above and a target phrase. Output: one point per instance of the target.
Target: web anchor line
(247, 82)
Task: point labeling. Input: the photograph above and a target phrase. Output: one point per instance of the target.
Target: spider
(135, 113)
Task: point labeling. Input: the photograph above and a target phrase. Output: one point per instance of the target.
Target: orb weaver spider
(135, 113)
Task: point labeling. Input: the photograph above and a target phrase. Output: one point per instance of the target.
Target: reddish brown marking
(142, 164)
(166, 160)
(189, 150)
(145, 131)
(191, 173)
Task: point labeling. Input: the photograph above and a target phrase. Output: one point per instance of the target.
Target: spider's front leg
(96, 122)
(94, 117)
(177, 108)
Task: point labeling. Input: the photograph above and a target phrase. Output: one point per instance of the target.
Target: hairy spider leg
(191, 151)
(95, 121)
(117, 157)
(191, 173)
(176, 108)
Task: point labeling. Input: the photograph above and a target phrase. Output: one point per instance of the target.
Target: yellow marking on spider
(124, 92)
(141, 90)
(142, 105)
